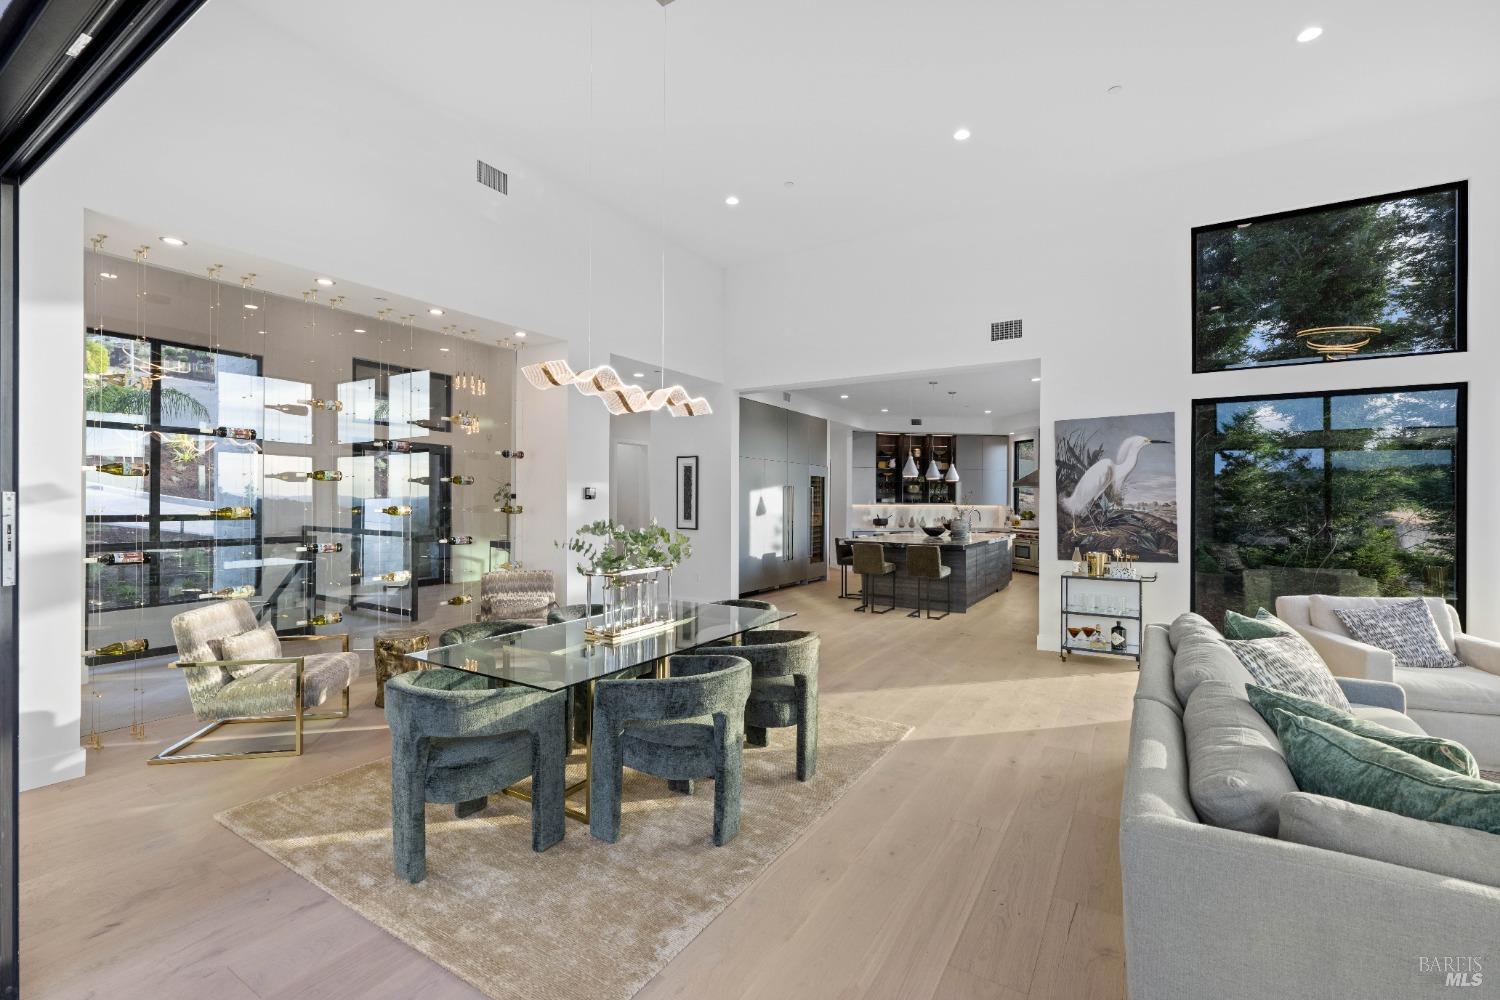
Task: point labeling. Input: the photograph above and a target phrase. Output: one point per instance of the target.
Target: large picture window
(1377, 277)
(162, 426)
(1349, 493)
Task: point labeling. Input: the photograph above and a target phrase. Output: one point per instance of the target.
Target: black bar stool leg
(883, 611)
(947, 601)
(916, 612)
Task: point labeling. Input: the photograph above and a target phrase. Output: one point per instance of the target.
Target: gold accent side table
(391, 647)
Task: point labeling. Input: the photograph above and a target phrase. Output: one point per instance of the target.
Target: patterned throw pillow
(1262, 626)
(252, 645)
(1404, 629)
(1288, 663)
(1447, 754)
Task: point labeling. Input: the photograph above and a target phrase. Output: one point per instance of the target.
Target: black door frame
(60, 60)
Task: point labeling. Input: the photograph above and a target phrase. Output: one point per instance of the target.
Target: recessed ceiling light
(521, 333)
(172, 241)
(637, 374)
(325, 282)
(358, 330)
(443, 349)
(434, 311)
(962, 135)
(106, 275)
(884, 410)
(251, 306)
(1309, 33)
(1114, 88)
(732, 200)
(844, 396)
(1037, 379)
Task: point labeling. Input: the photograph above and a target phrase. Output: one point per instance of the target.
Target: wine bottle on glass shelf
(122, 648)
(130, 470)
(231, 513)
(235, 433)
(135, 558)
(327, 618)
(320, 547)
(458, 600)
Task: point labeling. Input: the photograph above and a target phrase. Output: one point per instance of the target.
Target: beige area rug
(584, 918)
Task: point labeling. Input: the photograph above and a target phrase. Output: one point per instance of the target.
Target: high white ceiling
(361, 304)
(1006, 390)
(856, 101)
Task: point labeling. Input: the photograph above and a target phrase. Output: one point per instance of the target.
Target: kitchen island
(981, 566)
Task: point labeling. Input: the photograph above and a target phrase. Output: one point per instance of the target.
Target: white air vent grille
(492, 177)
(1009, 329)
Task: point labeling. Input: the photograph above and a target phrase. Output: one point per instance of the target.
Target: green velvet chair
(475, 631)
(572, 612)
(454, 739)
(682, 727)
(783, 689)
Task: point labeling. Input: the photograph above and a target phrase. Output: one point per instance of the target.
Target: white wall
(241, 136)
(1101, 278)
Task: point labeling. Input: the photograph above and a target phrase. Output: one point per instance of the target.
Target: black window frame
(384, 370)
(1460, 472)
(155, 428)
(1461, 272)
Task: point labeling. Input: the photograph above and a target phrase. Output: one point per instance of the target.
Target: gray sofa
(1213, 912)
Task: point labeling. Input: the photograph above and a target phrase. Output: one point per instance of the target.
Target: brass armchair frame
(171, 754)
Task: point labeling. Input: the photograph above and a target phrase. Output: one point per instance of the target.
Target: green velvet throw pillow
(1446, 754)
(1262, 626)
(1326, 760)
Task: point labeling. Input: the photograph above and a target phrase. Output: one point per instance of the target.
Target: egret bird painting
(1117, 486)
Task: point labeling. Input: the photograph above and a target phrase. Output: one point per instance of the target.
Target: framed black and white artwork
(687, 492)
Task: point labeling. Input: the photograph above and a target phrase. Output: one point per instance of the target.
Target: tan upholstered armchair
(516, 595)
(1458, 703)
(235, 673)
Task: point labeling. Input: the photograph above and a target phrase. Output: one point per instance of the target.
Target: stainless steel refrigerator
(780, 454)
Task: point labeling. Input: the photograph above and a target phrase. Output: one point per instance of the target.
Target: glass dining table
(560, 657)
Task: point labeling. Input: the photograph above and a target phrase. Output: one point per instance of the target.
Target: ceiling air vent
(492, 177)
(786, 397)
(916, 421)
(1008, 329)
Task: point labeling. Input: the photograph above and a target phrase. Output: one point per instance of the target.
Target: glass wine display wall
(338, 471)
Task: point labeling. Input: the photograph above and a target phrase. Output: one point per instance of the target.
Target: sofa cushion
(1190, 623)
(1462, 689)
(1433, 749)
(1389, 718)
(1326, 760)
(1204, 656)
(1404, 629)
(1334, 825)
(1262, 626)
(1289, 663)
(1236, 773)
(1321, 608)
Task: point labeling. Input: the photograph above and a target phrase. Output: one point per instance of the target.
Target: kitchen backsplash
(990, 516)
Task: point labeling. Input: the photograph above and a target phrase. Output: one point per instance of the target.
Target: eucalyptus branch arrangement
(607, 548)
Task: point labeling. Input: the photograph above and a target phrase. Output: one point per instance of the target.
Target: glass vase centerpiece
(628, 577)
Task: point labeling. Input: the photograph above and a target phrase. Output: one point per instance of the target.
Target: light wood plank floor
(976, 860)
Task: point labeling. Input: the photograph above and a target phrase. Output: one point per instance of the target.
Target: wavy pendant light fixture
(603, 382)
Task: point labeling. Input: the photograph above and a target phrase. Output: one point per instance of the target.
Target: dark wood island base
(981, 567)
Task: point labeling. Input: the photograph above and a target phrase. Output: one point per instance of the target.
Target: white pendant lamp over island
(909, 470)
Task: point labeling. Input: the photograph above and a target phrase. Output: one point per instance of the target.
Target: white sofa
(1458, 703)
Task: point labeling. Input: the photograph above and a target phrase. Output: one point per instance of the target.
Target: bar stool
(843, 553)
(925, 562)
(869, 560)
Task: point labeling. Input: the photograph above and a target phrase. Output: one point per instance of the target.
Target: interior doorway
(630, 484)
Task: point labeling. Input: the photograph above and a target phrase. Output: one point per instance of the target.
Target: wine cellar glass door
(815, 519)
